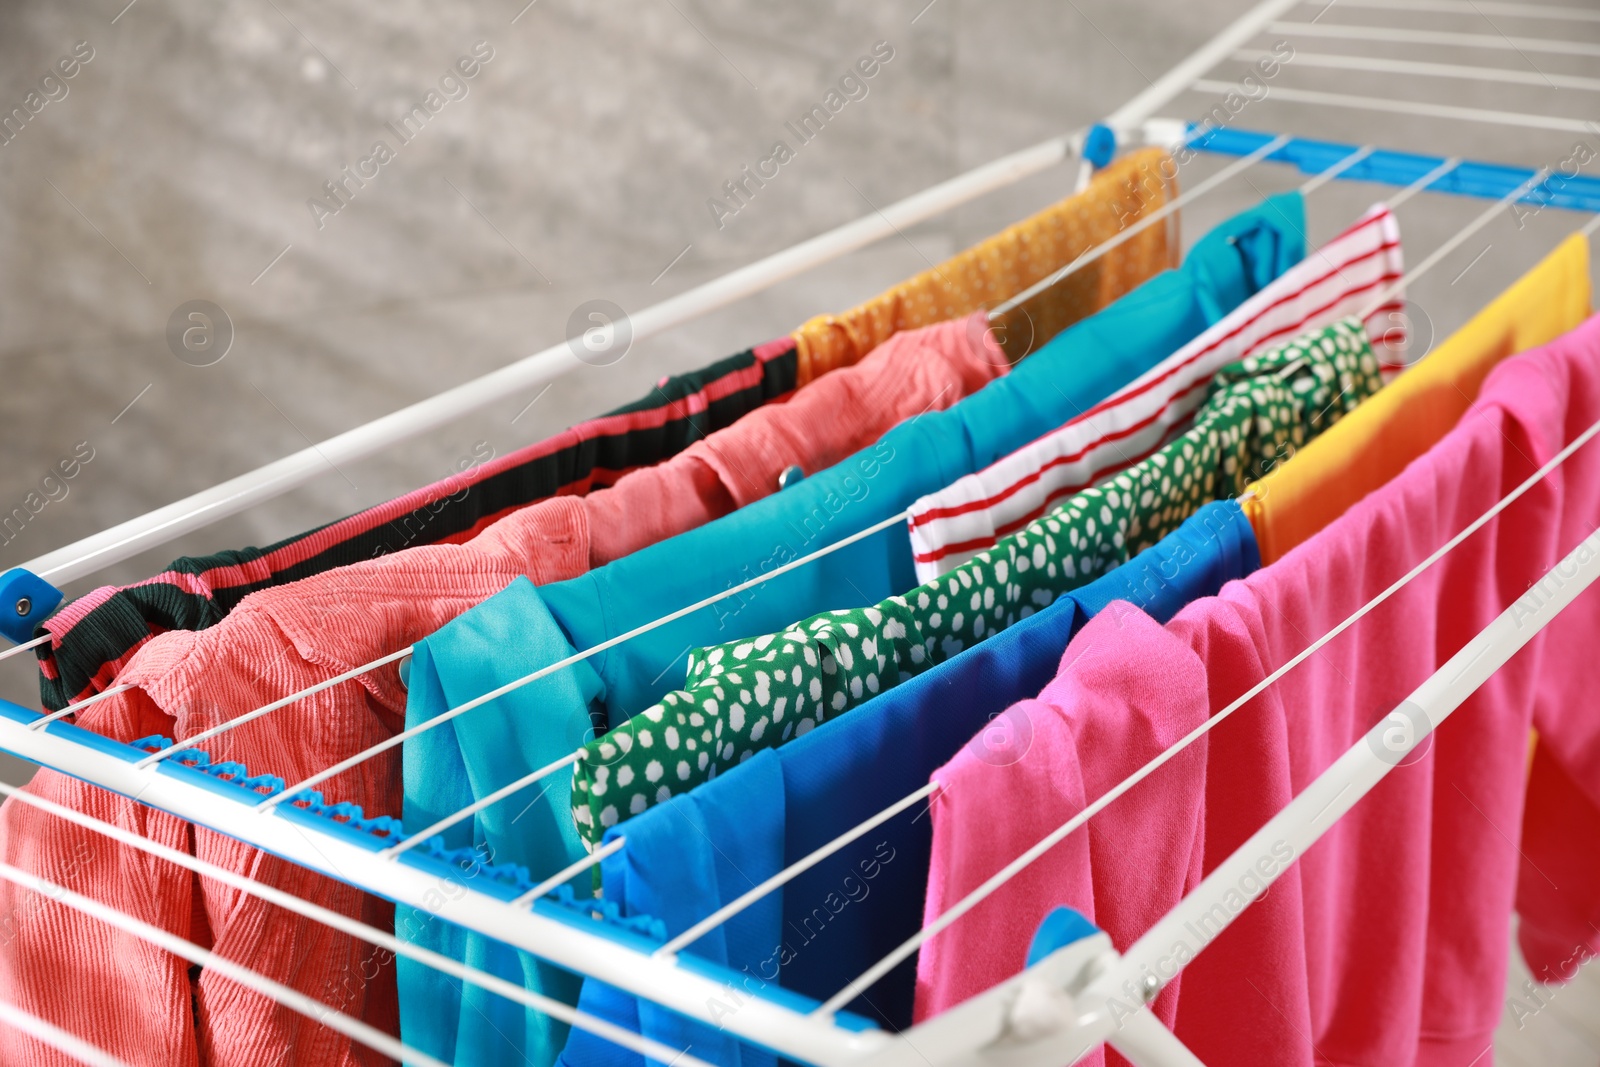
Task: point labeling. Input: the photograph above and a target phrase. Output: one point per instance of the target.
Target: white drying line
(569, 871)
(561, 664)
(1455, 242)
(1395, 35)
(723, 914)
(1424, 182)
(1344, 164)
(73, 709)
(56, 1038)
(411, 842)
(1594, 224)
(264, 709)
(292, 999)
(18, 649)
(1006, 873)
(1161, 92)
(1411, 107)
(372, 935)
(1474, 7)
(1377, 65)
(1123, 236)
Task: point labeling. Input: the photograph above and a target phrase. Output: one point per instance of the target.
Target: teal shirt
(531, 727)
(521, 629)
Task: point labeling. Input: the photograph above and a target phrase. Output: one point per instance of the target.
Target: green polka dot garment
(743, 696)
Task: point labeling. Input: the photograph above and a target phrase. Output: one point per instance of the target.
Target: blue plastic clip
(1099, 145)
(1060, 928)
(791, 475)
(26, 600)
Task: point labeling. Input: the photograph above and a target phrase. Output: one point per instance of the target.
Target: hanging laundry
(1083, 364)
(1298, 499)
(1013, 260)
(284, 639)
(1386, 941)
(1341, 278)
(746, 695)
(94, 636)
(702, 849)
(911, 375)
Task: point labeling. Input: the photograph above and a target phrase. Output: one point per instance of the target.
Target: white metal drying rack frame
(1058, 1008)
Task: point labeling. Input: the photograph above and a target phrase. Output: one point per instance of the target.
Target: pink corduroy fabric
(139, 1003)
(1386, 942)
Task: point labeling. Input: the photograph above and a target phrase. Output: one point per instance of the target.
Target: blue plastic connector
(1060, 928)
(1099, 145)
(26, 600)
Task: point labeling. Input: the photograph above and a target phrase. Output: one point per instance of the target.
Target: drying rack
(1079, 992)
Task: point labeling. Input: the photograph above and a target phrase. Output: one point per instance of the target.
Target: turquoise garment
(520, 630)
(534, 725)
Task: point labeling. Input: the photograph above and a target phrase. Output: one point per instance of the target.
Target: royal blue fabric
(702, 849)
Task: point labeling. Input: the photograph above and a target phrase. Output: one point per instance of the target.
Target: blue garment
(522, 629)
(535, 725)
(700, 850)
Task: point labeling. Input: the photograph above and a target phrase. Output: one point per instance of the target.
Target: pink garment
(135, 1001)
(1386, 942)
(1094, 725)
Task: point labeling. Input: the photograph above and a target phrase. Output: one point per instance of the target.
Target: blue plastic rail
(1564, 188)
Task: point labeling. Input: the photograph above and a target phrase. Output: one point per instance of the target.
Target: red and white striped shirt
(1338, 280)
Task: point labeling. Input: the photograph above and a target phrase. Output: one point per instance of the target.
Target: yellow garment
(1007, 263)
(1375, 442)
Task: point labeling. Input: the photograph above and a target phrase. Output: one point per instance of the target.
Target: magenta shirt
(1387, 941)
